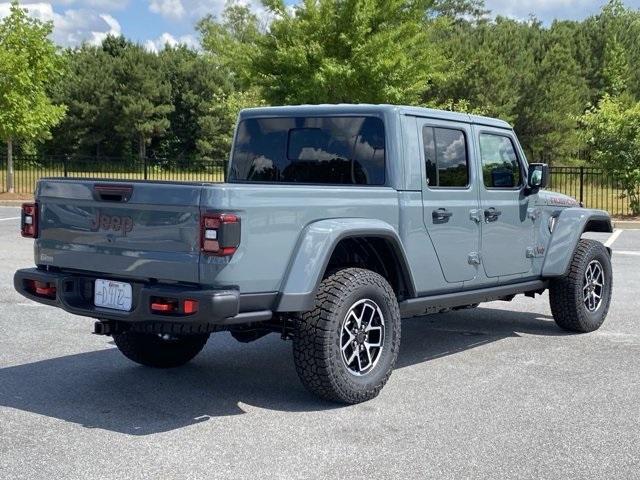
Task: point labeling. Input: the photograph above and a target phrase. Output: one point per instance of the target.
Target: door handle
(491, 214)
(441, 215)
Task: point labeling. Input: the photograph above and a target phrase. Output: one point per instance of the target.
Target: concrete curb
(627, 224)
(12, 203)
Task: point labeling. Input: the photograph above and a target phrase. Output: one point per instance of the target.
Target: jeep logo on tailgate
(116, 223)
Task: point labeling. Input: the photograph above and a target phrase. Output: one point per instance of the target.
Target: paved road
(498, 392)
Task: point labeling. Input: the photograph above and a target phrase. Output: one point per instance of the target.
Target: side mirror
(538, 176)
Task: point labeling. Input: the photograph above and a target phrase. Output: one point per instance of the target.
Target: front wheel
(346, 347)
(159, 350)
(580, 299)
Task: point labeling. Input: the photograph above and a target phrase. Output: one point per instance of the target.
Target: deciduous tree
(612, 129)
(358, 51)
(28, 62)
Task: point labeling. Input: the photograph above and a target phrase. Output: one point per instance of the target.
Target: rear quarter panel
(273, 218)
(283, 225)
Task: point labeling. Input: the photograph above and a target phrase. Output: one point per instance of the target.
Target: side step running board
(435, 303)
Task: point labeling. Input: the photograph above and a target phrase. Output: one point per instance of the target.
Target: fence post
(10, 171)
(581, 185)
(145, 167)
(64, 165)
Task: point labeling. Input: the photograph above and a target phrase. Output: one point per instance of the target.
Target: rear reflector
(172, 306)
(29, 223)
(190, 306)
(164, 305)
(220, 234)
(42, 289)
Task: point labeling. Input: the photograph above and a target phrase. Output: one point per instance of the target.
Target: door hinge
(475, 215)
(533, 213)
(474, 258)
(537, 251)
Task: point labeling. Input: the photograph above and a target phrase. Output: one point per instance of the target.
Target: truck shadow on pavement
(101, 389)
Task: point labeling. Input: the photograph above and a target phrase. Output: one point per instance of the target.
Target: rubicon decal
(563, 201)
(115, 223)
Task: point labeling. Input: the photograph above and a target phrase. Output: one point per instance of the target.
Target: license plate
(110, 294)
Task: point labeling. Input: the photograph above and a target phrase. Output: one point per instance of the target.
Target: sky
(155, 23)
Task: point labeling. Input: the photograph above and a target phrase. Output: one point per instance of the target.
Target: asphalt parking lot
(496, 392)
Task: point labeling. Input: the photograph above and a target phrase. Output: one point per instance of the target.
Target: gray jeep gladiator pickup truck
(336, 221)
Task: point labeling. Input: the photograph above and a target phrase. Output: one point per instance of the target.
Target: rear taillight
(29, 224)
(220, 234)
(41, 289)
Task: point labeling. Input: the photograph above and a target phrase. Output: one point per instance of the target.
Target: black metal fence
(29, 169)
(592, 186)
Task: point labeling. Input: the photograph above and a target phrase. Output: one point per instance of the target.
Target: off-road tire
(159, 350)
(566, 292)
(316, 342)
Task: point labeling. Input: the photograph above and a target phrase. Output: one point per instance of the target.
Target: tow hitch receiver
(105, 328)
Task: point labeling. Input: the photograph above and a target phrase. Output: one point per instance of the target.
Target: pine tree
(557, 95)
(142, 98)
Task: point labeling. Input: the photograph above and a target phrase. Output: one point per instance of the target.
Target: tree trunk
(10, 185)
(142, 148)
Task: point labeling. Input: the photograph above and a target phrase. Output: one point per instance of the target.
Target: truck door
(507, 226)
(450, 196)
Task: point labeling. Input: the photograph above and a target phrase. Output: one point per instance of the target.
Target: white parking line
(614, 236)
(625, 252)
(11, 218)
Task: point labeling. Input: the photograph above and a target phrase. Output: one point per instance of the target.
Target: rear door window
(446, 160)
(313, 150)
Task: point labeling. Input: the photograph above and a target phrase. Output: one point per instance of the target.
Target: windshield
(316, 150)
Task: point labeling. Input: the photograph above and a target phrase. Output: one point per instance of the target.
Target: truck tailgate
(145, 230)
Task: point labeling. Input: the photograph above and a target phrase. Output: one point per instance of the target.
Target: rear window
(317, 150)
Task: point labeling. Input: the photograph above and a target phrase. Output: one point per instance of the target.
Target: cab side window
(500, 166)
(446, 160)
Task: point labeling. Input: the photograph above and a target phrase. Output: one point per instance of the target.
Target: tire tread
(314, 358)
(565, 293)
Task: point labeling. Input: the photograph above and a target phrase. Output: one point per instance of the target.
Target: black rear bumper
(74, 294)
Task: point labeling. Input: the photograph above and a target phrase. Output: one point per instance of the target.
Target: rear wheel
(346, 347)
(159, 350)
(580, 299)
